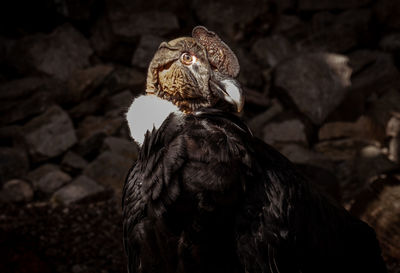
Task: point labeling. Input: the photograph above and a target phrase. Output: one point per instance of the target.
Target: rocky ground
(322, 85)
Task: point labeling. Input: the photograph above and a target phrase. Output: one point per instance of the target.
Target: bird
(205, 195)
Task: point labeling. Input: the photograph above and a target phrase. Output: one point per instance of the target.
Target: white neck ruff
(148, 112)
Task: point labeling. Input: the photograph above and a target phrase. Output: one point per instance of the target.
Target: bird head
(196, 72)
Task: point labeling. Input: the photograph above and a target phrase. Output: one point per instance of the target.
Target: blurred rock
(387, 12)
(231, 18)
(250, 71)
(120, 102)
(109, 169)
(342, 149)
(375, 78)
(319, 97)
(73, 163)
(360, 59)
(89, 107)
(300, 155)
(92, 131)
(290, 130)
(58, 54)
(122, 147)
(127, 78)
(23, 98)
(371, 162)
(378, 205)
(363, 128)
(338, 33)
(144, 52)
(391, 42)
(291, 27)
(14, 163)
(77, 10)
(257, 123)
(48, 178)
(84, 82)
(49, 134)
(394, 149)
(80, 189)
(393, 125)
(16, 191)
(312, 5)
(381, 110)
(270, 51)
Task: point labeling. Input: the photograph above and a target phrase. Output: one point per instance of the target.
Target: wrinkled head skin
(196, 72)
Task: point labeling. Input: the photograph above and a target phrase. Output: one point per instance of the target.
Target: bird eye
(187, 59)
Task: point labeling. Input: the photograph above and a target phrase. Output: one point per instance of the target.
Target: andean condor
(207, 196)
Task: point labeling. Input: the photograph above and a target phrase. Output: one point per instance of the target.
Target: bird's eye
(187, 58)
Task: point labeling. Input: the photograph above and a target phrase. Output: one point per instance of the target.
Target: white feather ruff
(147, 112)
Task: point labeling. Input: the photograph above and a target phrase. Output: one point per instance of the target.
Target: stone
(271, 51)
(394, 149)
(393, 125)
(379, 207)
(300, 155)
(83, 83)
(378, 75)
(360, 59)
(381, 109)
(291, 27)
(313, 5)
(92, 131)
(387, 13)
(290, 130)
(109, 169)
(79, 190)
(89, 107)
(126, 78)
(341, 149)
(338, 33)
(391, 42)
(57, 54)
(363, 128)
(257, 123)
(14, 163)
(315, 98)
(16, 190)
(48, 178)
(144, 52)
(250, 71)
(120, 102)
(49, 134)
(23, 98)
(122, 147)
(73, 162)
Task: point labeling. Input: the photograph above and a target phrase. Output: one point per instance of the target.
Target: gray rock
(109, 169)
(14, 163)
(128, 25)
(272, 50)
(92, 131)
(393, 126)
(291, 130)
(250, 71)
(89, 107)
(312, 5)
(391, 42)
(120, 102)
(57, 54)
(126, 78)
(84, 82)
(318, 97)
(144, 52)
(73, 162)
(337, 33)
(49, 134)
(122, 147)
(360, 59)
(16, 191)
(394, 149)
(48, 178)
(341, 149)
(387, 13)
(300, 155)
(363, 128)
(80, 189)
(383, 108)
(257, 123)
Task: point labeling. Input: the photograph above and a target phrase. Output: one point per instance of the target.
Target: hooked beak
(229, 90)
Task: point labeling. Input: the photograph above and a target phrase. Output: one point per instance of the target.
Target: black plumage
(205, 195)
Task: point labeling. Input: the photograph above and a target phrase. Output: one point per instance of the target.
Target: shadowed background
(321, 82)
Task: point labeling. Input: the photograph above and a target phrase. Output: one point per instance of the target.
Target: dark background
(322, 86)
